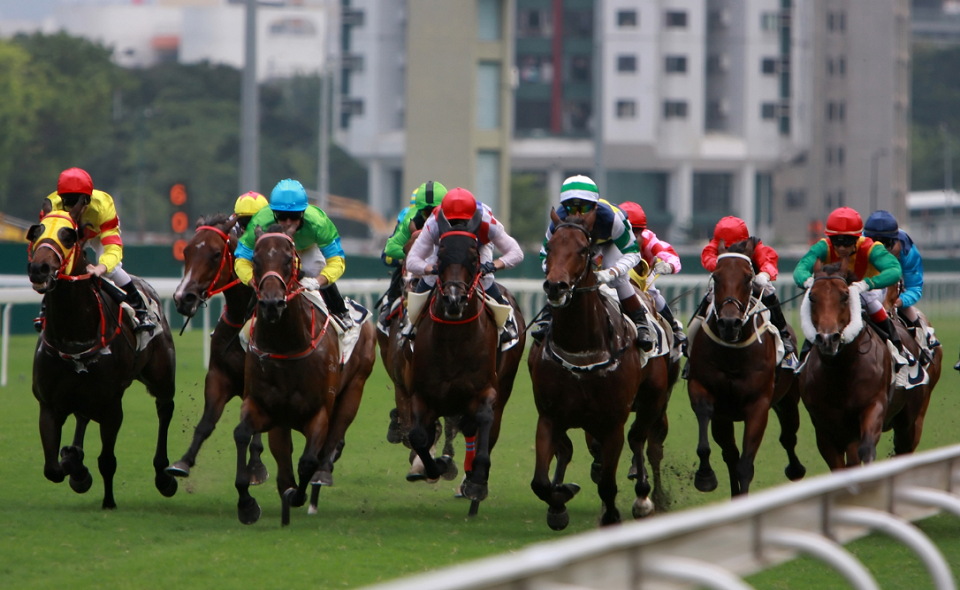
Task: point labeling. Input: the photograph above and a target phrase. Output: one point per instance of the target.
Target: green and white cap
(579, 187)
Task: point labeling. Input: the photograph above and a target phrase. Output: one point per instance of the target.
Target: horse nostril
(835, 337)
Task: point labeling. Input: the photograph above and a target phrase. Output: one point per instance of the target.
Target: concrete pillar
(554, 184)
(681, 202)
(376, 193)
(746, 189)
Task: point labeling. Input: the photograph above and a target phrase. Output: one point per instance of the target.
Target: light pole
(948, 186)
(873, 177)
(249, 98)
(599, 166)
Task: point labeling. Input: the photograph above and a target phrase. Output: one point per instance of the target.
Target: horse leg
(724, 435)
(476, 485)
(248, 511)
(596, 451)
(705, 479)
(107, 461)
(258, 471)
(316, 434)
(871, 428)
(607, 488)
(215, 397)
(450, 429)
(656, 437)
(564, 455)
(345, 411)
(422, 438)
(166, 484)
(754, 425)
(51, 429)
(281, 447)
(555, 494)
(788, 414)
(71, 459)
(637, 439)
(829, 450)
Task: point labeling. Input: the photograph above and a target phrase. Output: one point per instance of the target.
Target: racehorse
(587, 374)
(293, 378)
(88, 355)
(846, 382)
(208, 270)
(734, 376)
(452, 370)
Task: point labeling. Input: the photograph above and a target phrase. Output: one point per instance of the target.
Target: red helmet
(638, 219)
(75, 180)
(844, 222)
(731, 230)
(458, 203)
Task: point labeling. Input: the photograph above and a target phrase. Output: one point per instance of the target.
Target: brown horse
(87, 357)
(208, 270)
(587, 374)
(452, 369)
(846, 381)
(734, 376)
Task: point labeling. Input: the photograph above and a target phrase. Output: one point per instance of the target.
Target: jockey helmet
(881, 224)
(75, 180)
(459, 203)
(581, 188)
(731, 230)
(249, 203)
(288, 195)
(429, 195)
(844, 222)
(635, 214)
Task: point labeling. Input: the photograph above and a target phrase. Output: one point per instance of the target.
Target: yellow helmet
(248, 204)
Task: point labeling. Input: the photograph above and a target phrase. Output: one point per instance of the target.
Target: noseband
(291, 288)
(470, 289)
(740, 305)
(586, 266)
(226, 256)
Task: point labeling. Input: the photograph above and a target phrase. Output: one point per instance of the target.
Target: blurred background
(776, 111)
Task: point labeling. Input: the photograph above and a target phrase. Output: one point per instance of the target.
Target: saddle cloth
(416, 302)
(153, 307)
(911, 373)
(662, 333)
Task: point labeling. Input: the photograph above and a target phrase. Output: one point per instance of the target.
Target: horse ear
(474, 225)
(257, 232)
(844, 267)
(750, 247)
(721, 247)
(442, 224)
(554, 217)
(34, 232)
(68, 237)
(200, 221)
(291, 230)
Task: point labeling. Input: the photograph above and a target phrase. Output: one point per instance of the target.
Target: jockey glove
(487, 268)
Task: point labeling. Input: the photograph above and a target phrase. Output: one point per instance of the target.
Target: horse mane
(214, 220)
(741, 246)
(835, 269)
(275, 228)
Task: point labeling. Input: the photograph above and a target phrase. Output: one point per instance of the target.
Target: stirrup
(788, 347)
(644, 342)
(38, 324)
(509, 332)
(540, 331)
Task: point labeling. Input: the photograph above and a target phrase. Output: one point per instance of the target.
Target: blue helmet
(288, 195)
(882, 224)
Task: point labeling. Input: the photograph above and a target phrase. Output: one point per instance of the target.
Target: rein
(474, 287)
(586, 267)
(103, 342)
(293, 287)
(226, 256)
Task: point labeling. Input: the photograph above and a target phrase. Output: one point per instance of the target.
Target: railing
(714, 546)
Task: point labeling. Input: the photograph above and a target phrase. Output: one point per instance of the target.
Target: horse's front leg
(71, 458)
(788, 414)
(871, 427)
(754, 425)
(655, 438)
(215, 397)
(724, 435)
(612, 446)
(423, 436)
(316, 434)
(248, 511)
(705, 479)
(476, 486)
(281, 447)
(110, 422)
(556, 494)
(637, 438)
(51, 429)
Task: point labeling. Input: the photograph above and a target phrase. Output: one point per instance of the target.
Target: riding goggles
(288, 215)
(888, 243)
(71, 199)
(579, 208)
(843, 241)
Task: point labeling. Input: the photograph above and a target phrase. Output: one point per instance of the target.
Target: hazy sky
(26, 9)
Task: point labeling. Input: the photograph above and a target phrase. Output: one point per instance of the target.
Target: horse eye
(583, 251)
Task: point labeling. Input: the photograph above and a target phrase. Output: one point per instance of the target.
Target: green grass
(372, 525)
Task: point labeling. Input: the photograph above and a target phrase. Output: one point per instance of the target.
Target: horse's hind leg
(871, 427)
(788, 414)
(555, 494)
(158, 376)
(166, 484)
(637, 438)
(450, 430)
(724, 435)
(655, 439)
(107, 461)
(51, 429)
(705, 479)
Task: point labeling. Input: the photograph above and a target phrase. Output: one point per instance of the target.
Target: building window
(535, 69)
(840, 155)
(626, 63)
(829, 66)
(626, 18)
(768, 111)
(534, 23)
(717, 111)
(575, 116)
(841, 26)
(768, 65)
(674, 109)
(717, 63)
(841, 198)
(796, 199)
(294, 27)
(626, 109)
(830, 27)
(828, 201)
(717, 20)
(676, 19)
(830, 111)
(769, 22)
(676, 64)
(578, 68)
(829, 155)
(841, 66)
(532, 115)
(488, 95)
(488, 13)
(487, 187)
(578, 23)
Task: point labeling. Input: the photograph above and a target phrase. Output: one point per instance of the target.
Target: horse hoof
(81, 485)
(258, 474)
(178, 469)
(596, 471)
(642, 508)
(632, 474)
(705, 481)
(167, 485)
(569, 490)
(249, 514)
(475, 491)
(292, 497)
(394, 436)
(450, 472)
(610, 517)
(558, 520)
(795, 473)
(109, 504)
(417, 469)
(322, 478)
(54, 475)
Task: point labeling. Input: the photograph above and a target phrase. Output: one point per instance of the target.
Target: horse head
(55, 250)
(458, 262)
(276, 269)
(208, 262)
(733, 286)
(830, 312)
(568, 257)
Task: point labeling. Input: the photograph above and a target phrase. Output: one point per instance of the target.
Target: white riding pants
(486, 255)
(873, 300)
(312, 261)
(119, 276)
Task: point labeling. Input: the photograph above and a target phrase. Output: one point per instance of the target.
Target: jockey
(459, 206)
(427, 196)
(101, 230)
(882, 227)
(659, 256)
(732, 230)
(248, 205)
(612, 241)
(316, 240)
(875, 267)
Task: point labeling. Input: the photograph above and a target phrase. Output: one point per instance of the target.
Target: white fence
(941, 297)
(713, 546)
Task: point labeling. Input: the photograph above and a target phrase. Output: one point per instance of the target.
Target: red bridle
(473, 288)
(65, 262)
(224, 258)
(293, 287)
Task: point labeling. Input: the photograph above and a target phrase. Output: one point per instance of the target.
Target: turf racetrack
(372, 525)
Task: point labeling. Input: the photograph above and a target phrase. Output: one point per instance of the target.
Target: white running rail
(715, 546)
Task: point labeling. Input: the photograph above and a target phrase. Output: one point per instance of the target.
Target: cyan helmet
(288, 195)
(430, 194)
(882, 224)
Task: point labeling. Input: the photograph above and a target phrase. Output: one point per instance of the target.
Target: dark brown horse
(208, 270)
(587, 374)
(87, 357)
(846, 382)
(452, 369)
(734, 376)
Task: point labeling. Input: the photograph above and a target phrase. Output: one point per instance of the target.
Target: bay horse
(453, 368)
(293, 378)
(86, 358)
(208, 270)
(846, 382)
(734, 376)
(587, 374)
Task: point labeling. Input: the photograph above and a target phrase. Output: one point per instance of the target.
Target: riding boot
(394, 292)
(957, 366)
(926, 346)
(704, 304)
(333, 299)
(637, 313)
(892, 334)
(667, 314)
(510, 327)
(779, 322)
(543, 325)
(38, 321)
(135, 300)
(805, 350)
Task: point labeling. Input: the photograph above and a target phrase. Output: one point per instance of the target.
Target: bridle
(66, 263)
(292, 287)
(586, 266)
(226, 262)
(740, 305)
(469, 289)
